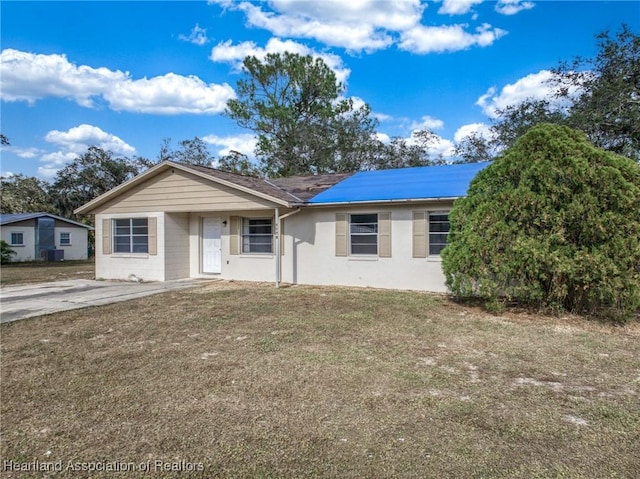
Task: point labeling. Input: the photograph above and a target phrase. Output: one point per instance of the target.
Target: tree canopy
(193, 152)
(608, 110)
(552, 222)
(236, 162)
(25, 194)
(600, 96)
(294, 104)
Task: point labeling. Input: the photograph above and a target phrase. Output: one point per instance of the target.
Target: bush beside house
(6, 253)
(554, 222)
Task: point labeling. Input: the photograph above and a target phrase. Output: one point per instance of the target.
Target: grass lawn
(43, 271)
(244, 380)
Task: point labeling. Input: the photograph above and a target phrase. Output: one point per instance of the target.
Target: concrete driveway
(26, 301)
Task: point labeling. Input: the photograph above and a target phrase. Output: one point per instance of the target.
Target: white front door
(211, 245)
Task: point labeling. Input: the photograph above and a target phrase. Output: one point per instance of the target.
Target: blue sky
(125, 75)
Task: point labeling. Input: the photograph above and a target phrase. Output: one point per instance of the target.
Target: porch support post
(277, 245)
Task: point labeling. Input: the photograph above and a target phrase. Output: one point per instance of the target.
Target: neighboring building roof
(402, 184)
(9, 218)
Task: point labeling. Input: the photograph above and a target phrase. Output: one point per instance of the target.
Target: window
(131, 235)
(65, 239)
(363, 234)
(17, 239)
(257, 235)
(438, 231)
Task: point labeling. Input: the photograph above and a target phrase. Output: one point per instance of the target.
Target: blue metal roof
(424, 182)
(8, 218)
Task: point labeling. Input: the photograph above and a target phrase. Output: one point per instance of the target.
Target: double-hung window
(65, 239)
(438, 231)
(257, 235)
(363, 234)
(131, 235)
(17, 238)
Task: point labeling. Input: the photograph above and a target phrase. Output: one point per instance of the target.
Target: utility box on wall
(53, 255)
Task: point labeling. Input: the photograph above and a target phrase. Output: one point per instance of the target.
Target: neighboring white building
(379, 228)
(43, 236)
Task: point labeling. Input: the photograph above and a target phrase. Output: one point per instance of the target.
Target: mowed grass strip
(252, 381)
(43, 271)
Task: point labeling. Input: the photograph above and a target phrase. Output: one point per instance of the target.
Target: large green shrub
(553, 222)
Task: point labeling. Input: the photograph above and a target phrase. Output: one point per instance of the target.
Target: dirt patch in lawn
(243, 380)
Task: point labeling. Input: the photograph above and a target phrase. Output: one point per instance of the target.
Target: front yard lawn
(43, 271)
(243, 380)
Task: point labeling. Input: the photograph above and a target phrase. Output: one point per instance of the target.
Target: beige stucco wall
(176, 245)
(120, 265)
(179, 251)
(243, 267)
(310, 253)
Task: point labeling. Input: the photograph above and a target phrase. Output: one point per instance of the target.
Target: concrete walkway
(26, 301)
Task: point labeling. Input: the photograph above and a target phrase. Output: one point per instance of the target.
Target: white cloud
(437, 147)
(244, 143)
(389, 15)
(481, 129)
(366, 25)
(58, 158)
(534, 86)
(54, 162)
(30, 77)
(227, 52)
(355, 25)
(79, 138)
(447, 38)
(383, 137)
(511, 7)
(457, 7)
(382, 116)
(47, 172)
(76, 141)
(355, 36)
(170, 94)
(198, 36)
(26, 153)
(357, 102)
(442, 147)
(427, 123)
